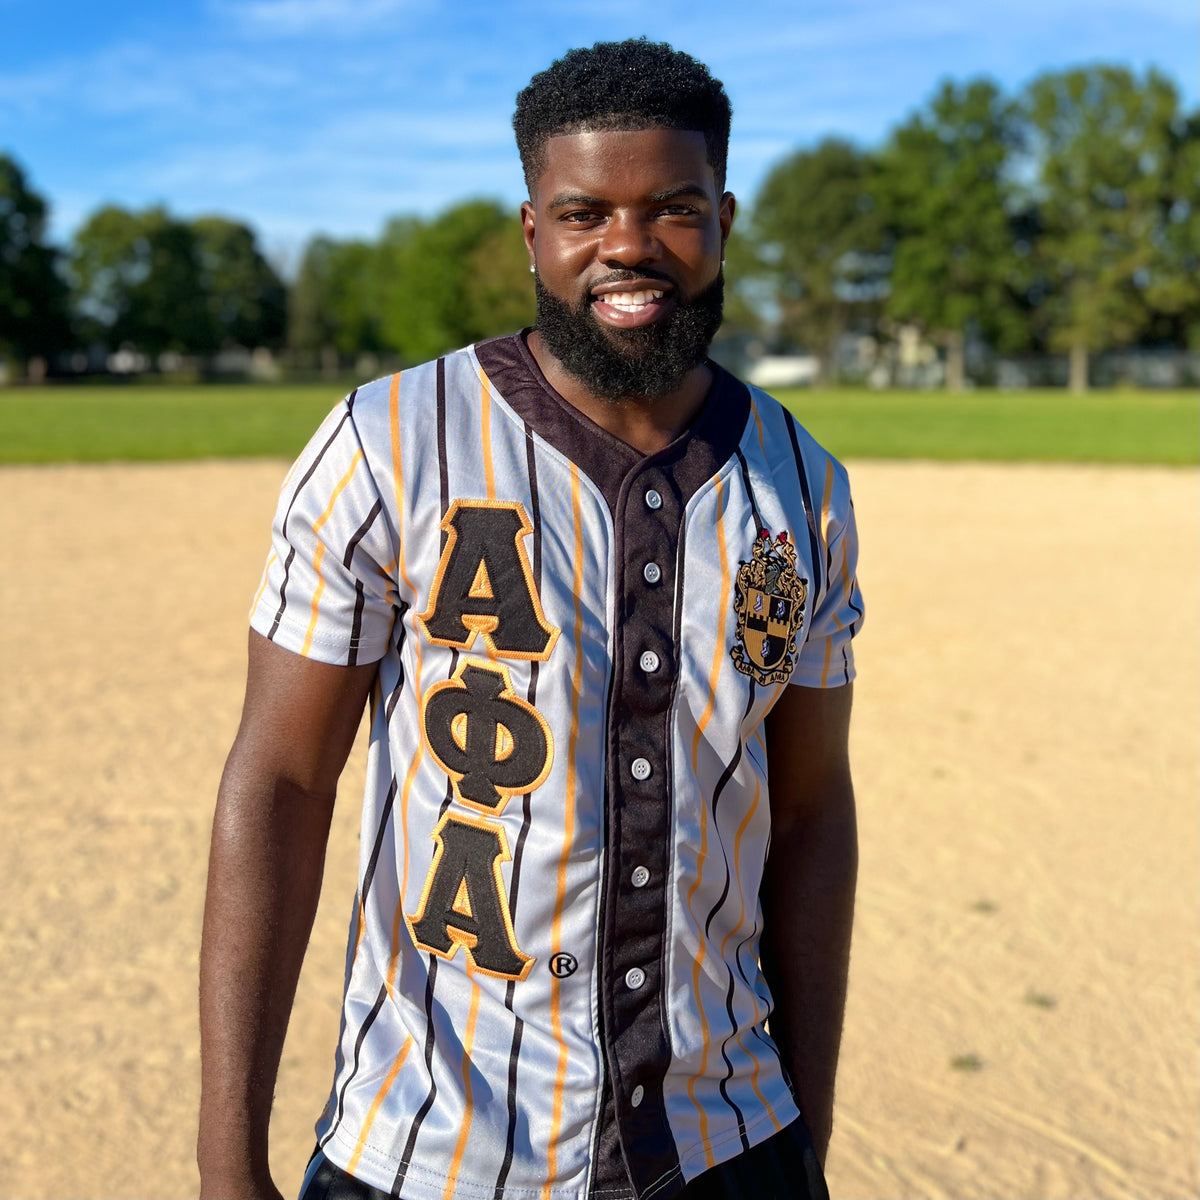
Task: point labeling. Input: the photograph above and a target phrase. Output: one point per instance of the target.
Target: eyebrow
(570, 199)
(580, 199)
(673, 193)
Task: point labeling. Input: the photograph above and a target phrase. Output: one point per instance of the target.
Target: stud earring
(532, 269)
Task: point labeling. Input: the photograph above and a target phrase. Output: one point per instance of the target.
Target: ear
(528, 223)
(725, 211)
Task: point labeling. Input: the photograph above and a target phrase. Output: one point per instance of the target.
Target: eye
(678, 210)
(580, 216)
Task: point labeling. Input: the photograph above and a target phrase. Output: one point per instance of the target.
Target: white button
(649, 661)
(637, 1095)
(634, 978)
(653, 499)
(640, 768)
(652, 572)
(640, 877)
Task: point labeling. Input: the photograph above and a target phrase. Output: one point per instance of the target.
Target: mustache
(625, 276)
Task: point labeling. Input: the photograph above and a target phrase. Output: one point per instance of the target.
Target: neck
(648, 424)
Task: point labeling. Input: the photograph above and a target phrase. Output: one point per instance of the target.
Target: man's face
(626, 230)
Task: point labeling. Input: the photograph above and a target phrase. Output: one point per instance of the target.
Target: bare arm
(264, 879)
(808, 890)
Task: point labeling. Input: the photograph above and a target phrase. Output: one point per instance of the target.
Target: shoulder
(786, 447)
(404, 405)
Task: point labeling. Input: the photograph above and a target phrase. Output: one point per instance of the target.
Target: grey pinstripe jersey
(553, 961)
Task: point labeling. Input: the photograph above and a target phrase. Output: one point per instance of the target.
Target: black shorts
(784, 1167)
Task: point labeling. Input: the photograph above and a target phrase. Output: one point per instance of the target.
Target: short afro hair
(630, 85)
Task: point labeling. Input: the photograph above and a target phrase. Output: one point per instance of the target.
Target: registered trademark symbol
(562, 965)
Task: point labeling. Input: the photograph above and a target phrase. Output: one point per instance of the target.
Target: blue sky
(330, 115)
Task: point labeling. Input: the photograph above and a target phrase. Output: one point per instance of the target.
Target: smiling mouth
(631, 302)
(638, 305)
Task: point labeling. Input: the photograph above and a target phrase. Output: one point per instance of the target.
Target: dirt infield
(1025, 990)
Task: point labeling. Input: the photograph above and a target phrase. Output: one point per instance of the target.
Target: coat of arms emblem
(769, 602)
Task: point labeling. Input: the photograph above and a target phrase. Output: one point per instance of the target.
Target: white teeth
(631, 301)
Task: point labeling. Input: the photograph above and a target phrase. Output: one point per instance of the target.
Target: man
(593, 586)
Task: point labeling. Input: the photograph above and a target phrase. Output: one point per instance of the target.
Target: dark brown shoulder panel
(696, 455)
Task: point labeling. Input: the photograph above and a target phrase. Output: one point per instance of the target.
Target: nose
(629, 241)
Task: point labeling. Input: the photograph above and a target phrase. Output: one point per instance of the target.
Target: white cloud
(332, 114)
(139, 79)
(296, 18)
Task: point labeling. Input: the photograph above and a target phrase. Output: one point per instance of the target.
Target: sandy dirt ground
(1024, 1013)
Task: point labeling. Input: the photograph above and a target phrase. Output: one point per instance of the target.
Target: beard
(630, 364)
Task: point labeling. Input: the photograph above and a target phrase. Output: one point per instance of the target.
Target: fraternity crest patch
(769, 602)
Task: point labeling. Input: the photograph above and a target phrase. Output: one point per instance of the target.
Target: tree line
(1063, 219)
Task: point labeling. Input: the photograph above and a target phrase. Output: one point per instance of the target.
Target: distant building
(784, 370)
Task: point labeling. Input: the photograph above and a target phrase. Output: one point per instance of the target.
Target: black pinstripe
(397, 623)
(361, 532)
(726, 776)
(514, 1054)
(360, 597)
(287, 566)
(419, 1120)
(368, 877)
(444, 492)
(758, 521)
(423, 1111)
(814, 539)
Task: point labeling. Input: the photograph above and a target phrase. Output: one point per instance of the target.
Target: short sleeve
(326, 588)
(826, 658)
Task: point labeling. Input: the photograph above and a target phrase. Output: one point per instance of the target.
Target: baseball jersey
(552, 979)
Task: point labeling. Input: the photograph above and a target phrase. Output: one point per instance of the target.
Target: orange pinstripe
(560, 1074)
(719, 647)
(825, 501)
(825, 506)
(397, 919)
(319, 553)
(318, 592)
(398, 487)
(758, 1016)
(762, 445)
(714, 676)
(377, 1102)
(489, 467)
(394, 1070)
(468, 1099)
(473, 1012)
(361, 910)
(737, 842)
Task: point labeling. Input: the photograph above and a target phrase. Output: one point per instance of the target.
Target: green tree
(944, 187)
(245, 298)
(1172, 279)
(426, 287)
(823, 244)
(33, 296)
(334, 306)
(500, 295)
(1103, 146)
(452, 280)
(139, 281)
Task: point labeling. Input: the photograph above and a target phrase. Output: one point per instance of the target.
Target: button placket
(634, 931)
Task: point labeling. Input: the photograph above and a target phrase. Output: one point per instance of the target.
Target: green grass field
(149, 423)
